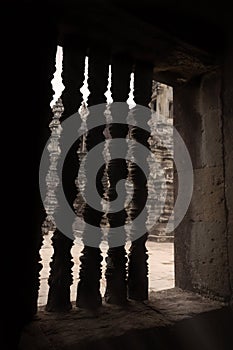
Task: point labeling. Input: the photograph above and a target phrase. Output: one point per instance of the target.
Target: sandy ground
(161, 267)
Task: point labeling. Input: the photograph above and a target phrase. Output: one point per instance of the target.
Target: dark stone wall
(203, 241)
(227, 117)
(31, 55)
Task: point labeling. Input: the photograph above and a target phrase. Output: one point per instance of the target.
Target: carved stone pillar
(88, 293)
(45, 49)
(137, 266)
(116, 289)
(60, 278)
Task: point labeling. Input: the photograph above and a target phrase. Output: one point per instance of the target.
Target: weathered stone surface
(197, 117)
(209, 107)
(202, 239)
(129, 326)
(208, 195)
(205, 256)
(227, 98)
(177, 305)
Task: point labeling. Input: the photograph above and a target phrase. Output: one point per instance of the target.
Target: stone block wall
(203, 241)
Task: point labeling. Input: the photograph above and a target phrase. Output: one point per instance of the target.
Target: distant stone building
(162, 99)
(162, 104)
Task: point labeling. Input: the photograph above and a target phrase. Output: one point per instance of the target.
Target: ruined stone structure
(187, 45)
(162, 104)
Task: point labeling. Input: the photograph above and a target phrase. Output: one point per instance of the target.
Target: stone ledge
(157, 322)
(161, 239)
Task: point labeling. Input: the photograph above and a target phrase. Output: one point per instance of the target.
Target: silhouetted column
(137, 267)
(60, 278)
(88, 293)
(41, 114)
(116, 289)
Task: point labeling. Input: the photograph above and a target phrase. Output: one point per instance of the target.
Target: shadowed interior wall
(227, 113)
(203, 241)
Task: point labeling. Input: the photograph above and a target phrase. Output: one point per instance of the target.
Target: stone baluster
(116, 289)
(60, 278)
(137, 266)
(45, 49)
(88, 292)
